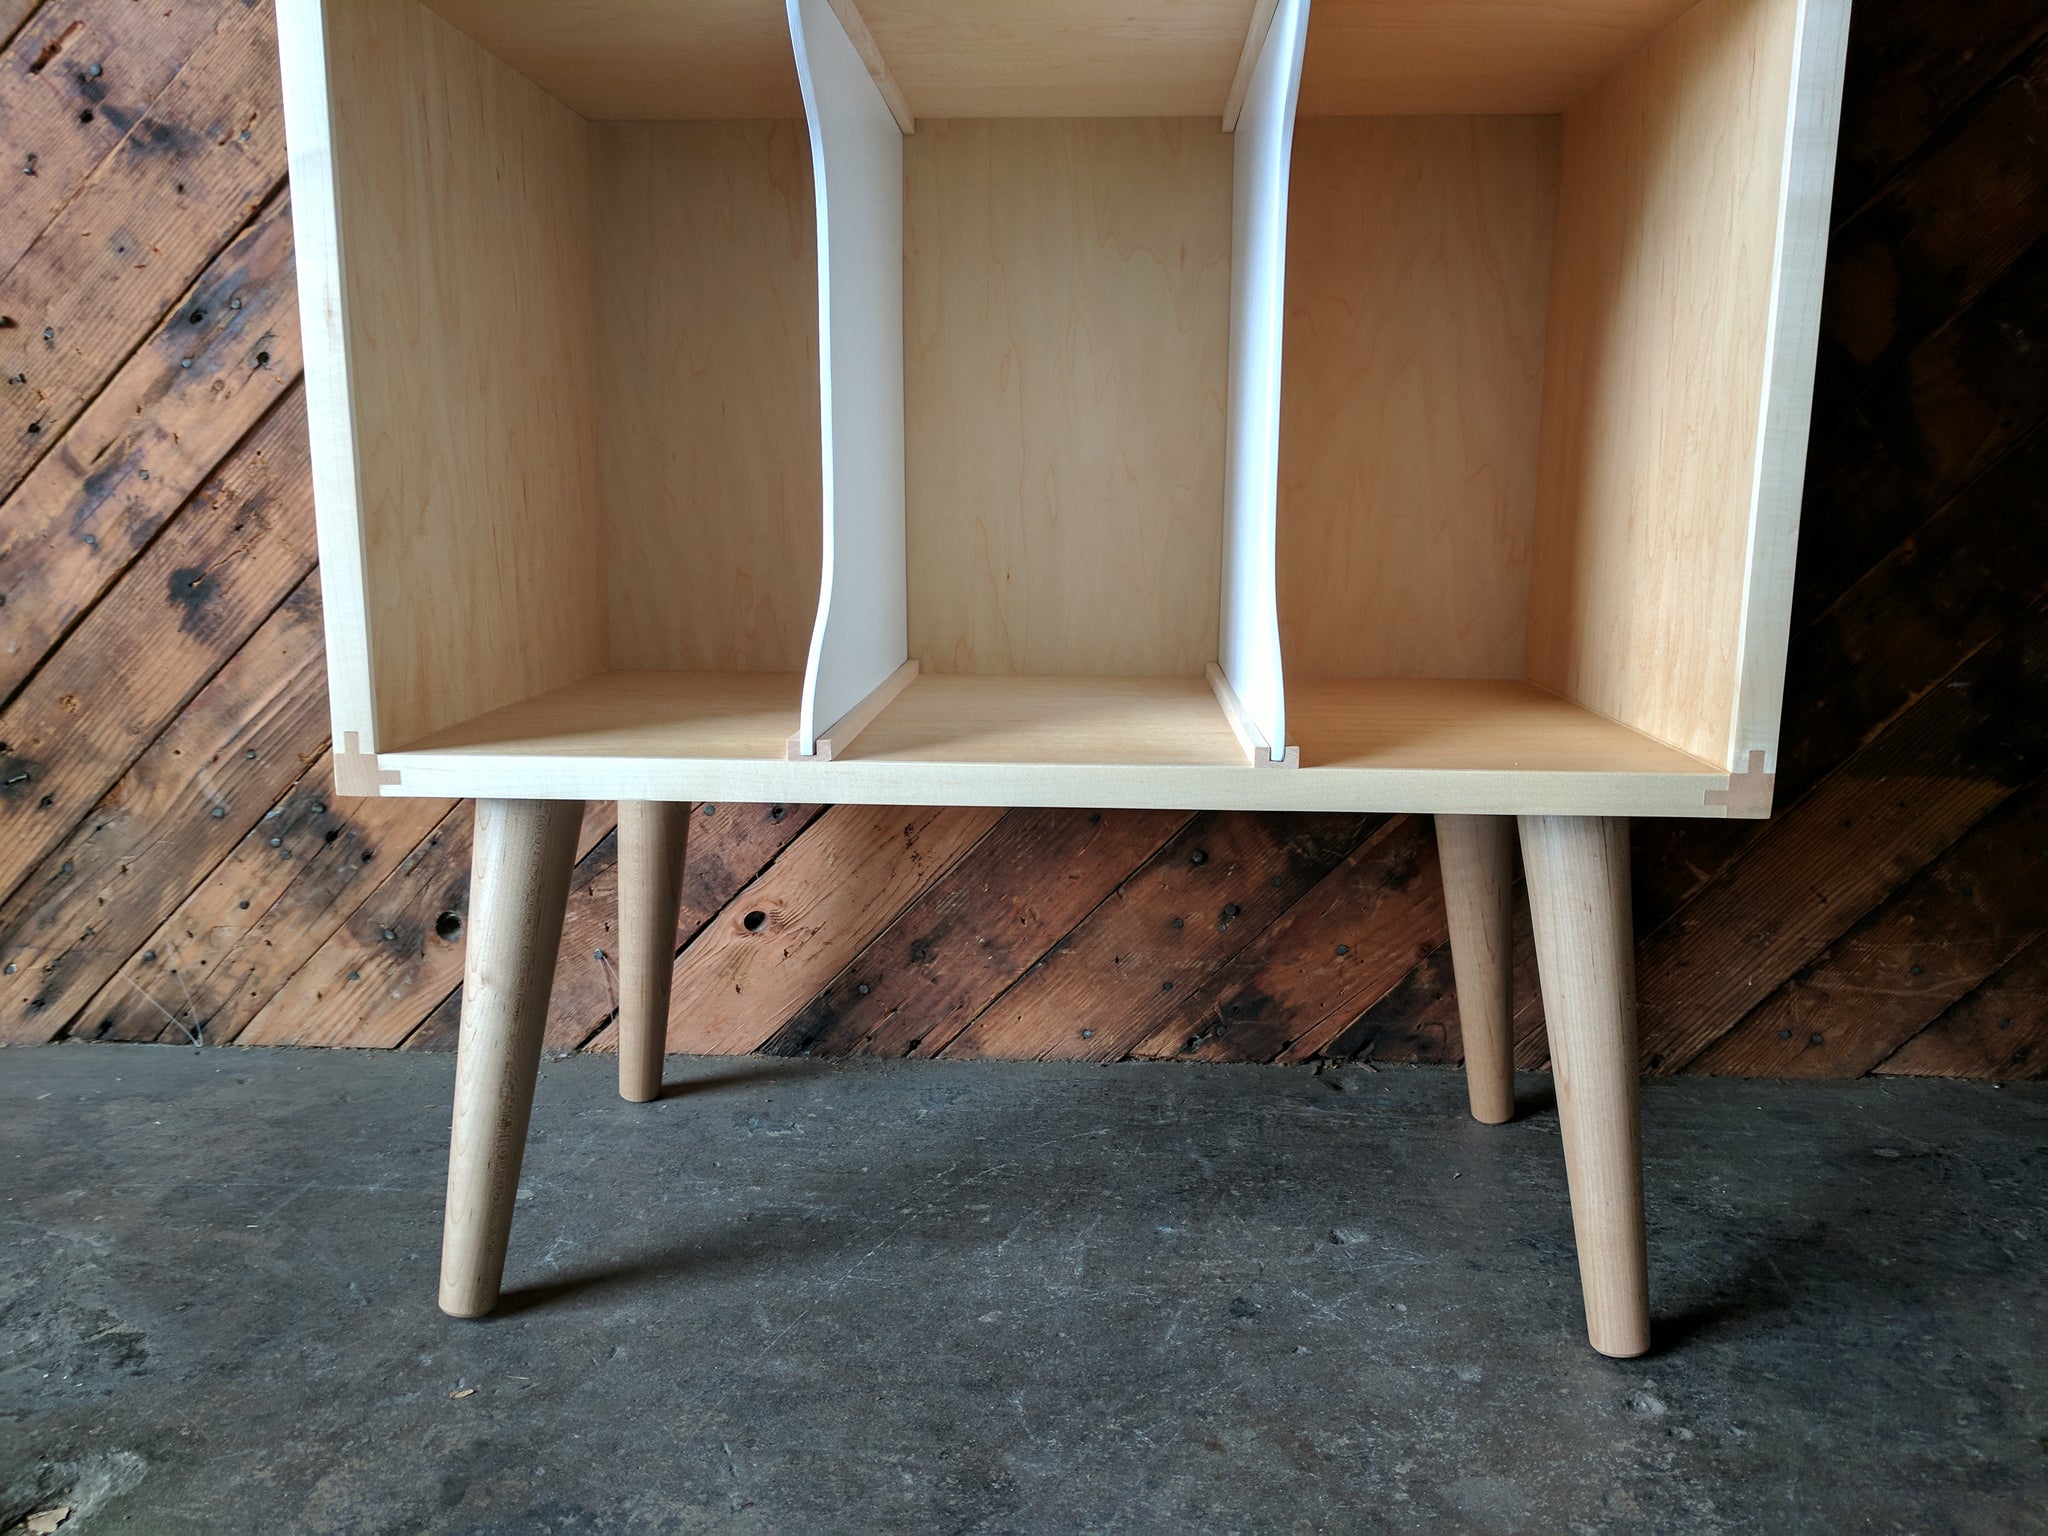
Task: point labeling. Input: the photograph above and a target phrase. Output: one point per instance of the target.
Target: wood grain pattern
(69, 117)
(1884, 815)
(708, 393)
(956, 948)
(1461, 746)
(1445, 58)
(476, 489)
(1577, 869)
(1301, 980)
(75, 918)
(1108, 985)
(1901, 968)
(1999, 1030)
(795, 927)
(266, 909)
(652, 839)
(1653, 386)
(611, 59)
(1418, 276)
(1477, 854)
(1062, 58)
(128, 240)
(524, 852)
(205, 586)
(179, 405)
(1066, 306)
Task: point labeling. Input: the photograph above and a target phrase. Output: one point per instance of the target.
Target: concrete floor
(802, 1297)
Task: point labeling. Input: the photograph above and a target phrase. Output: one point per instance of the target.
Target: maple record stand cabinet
(1372, 405)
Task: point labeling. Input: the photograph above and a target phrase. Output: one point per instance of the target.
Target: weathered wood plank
(1972, 202)
(1417, 1021)
(958, 946)
(730, 845)
(1902, 966)
(397, 955)
(1342, 947)
(73, 83)
(1109, 984)
(227, 948)
(14, 14)
(1912, 65)
(174, 411)
(1877, 821)
(169, 624)
(593, 894)
(385, 968)
(1922, 429)
(795, 927)
(1969, 573)
(193, 171)
(93, 900)
(1998, 1031)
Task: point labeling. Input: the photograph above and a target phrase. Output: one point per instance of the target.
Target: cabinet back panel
(1418, 272)
(1373, 58)
(1061, 58)
(1066, 318)
(628, 59)
(1660, 319)
(708, 393)
(464, 214)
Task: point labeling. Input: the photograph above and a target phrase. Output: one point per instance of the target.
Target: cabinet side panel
(1417, 284)
(1787, 418)
(1262, 149)
(464, 218)
(302, 65)
(708, 391)
(1660, 318)
(1067, 306)
(858, 641)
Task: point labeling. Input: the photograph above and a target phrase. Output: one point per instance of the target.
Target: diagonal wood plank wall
(175, 867)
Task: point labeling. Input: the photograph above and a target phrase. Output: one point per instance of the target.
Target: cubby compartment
(569, 386)
(1014, 402)
(1551, 279)
(1066, 352)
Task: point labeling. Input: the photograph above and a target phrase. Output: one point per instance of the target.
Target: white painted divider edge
(1250, 632)
(862, 632)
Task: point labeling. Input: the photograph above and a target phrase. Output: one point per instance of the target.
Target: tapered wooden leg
(519, 885)
(1577, 872)
(652, 837)
(1478, 856)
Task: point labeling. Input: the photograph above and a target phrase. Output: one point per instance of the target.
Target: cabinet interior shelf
(1434, 378)
(1421, 744)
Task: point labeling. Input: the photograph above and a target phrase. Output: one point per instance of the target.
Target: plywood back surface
(1418, 275)
(708, 392)
(463, 199)
(643, 59)
(1395, 58)
(1660, 322)
(1061, 58)
(1067, 289)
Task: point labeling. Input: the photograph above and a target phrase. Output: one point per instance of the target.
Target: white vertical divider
(1250, 635)
(862, 633)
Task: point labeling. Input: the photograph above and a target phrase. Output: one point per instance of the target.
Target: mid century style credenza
(1380, 405)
